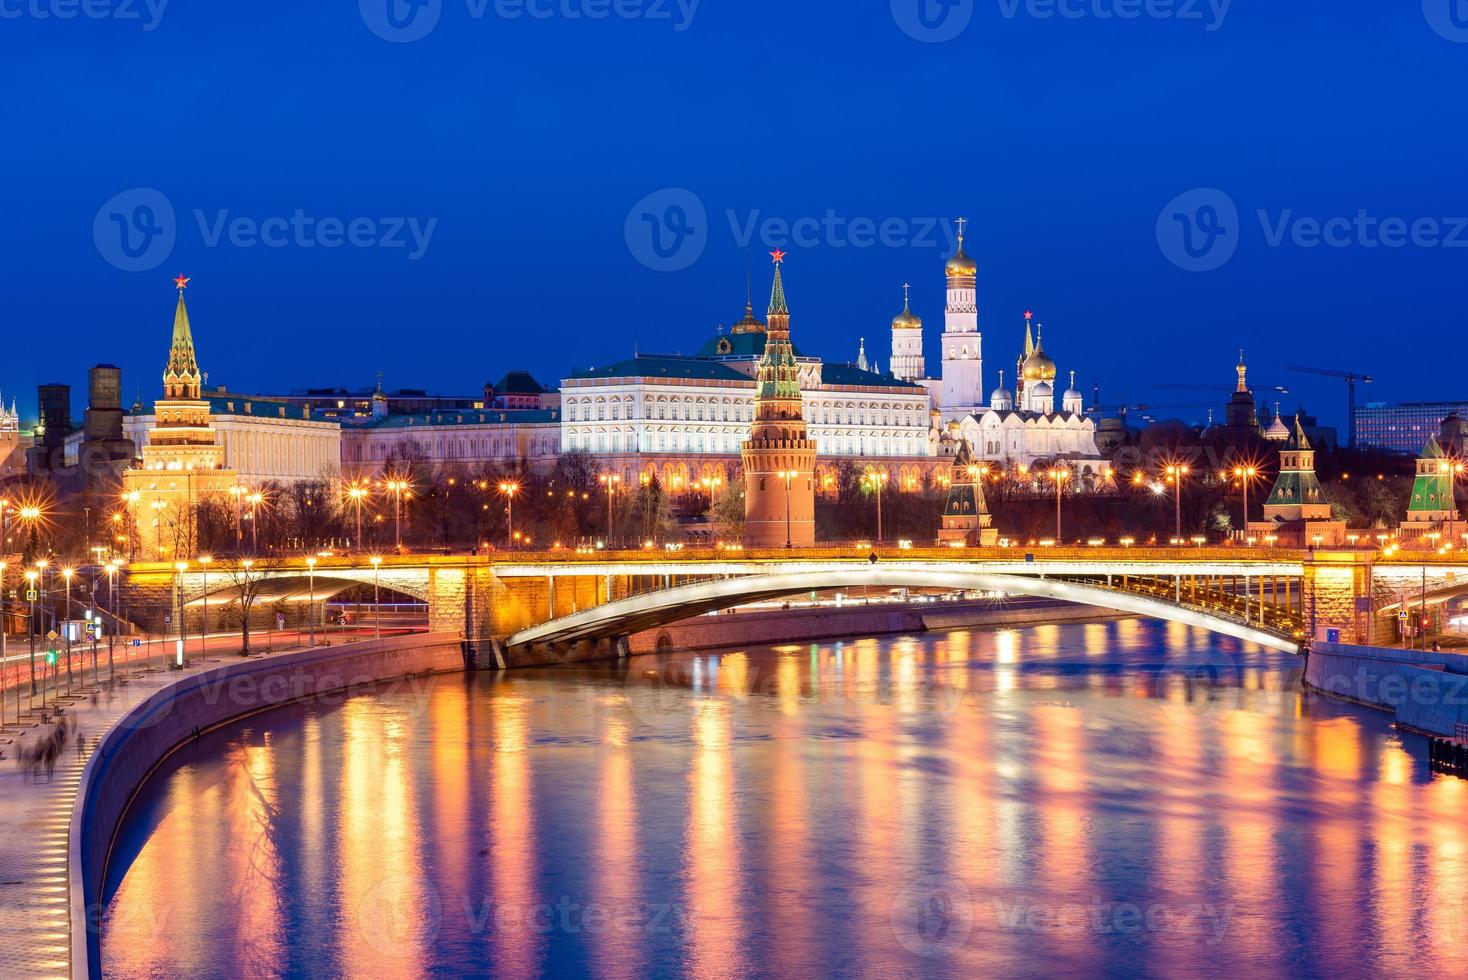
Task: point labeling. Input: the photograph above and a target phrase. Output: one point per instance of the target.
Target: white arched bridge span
(1084, 584)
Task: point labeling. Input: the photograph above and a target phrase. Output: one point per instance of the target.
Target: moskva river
(1125, 798)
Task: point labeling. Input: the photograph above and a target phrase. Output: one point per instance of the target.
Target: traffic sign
(30, 595)
(53, 635)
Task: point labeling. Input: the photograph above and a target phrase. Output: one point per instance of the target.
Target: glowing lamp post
(311, 597)
(397, 488)
(610, 480)
(112, 611)
(1059, 475)
(1246, 475)
(179, 568)
(357, 494)
(31, 578)
(508, 490)
(204, 562)
(376, 597)
(67, 574)
(1175, 473)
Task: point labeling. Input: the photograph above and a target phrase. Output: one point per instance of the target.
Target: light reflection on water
(1057, 800)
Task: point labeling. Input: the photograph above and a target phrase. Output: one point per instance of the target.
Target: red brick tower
(779, 461)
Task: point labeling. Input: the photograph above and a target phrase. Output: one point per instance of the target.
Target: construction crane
(1351, 378)
(1281, 389)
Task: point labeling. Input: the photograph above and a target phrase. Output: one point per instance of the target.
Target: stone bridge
(550, 600)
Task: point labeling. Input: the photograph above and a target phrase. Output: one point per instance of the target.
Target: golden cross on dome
(906, 292)
(778, 256)
(961, 223)
(181, 282)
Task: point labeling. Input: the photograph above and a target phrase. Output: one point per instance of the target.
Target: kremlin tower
(779, 461)
(962, 345)
(181, 462)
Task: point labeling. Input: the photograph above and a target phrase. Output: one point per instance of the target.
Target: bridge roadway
(503, 596)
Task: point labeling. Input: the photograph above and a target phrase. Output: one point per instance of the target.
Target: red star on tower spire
(1029, 315)
(181, 282)
(778, 256)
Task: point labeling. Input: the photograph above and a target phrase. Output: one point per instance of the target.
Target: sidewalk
(35, 819)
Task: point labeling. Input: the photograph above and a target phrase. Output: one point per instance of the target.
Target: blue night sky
(529, 142)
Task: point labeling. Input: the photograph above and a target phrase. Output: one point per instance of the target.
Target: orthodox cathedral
(1033, 422)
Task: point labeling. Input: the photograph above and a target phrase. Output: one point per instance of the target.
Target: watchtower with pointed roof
(779, 459)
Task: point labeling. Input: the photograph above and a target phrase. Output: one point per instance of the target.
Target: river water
(1124, 798)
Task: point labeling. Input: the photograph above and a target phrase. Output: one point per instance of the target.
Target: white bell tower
(963, 355)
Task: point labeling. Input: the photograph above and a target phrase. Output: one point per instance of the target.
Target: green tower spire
(181, 378)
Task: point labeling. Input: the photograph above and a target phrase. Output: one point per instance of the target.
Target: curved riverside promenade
(56, 837)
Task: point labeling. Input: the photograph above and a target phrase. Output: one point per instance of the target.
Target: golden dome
(961, 265)
(1038, 366)
(907, 320)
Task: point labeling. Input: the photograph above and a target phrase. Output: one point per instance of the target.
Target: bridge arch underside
(326, 584)
(650, 610)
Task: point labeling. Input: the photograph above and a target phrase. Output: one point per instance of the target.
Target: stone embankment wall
(1427, 692)
(134, 747)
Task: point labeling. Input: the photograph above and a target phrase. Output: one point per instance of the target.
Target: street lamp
(255, 500)
(1175, 473)
(179, 568)
(1246, 475)
(238, 492)
(66, 575)
(876, 479)
(31, 575)
(1453, 469)
(509, 490)
(787, 476)
(397, 488)
(610, 480)
(1059, 475)
(376, 597)
(311, 608)
(112, 611)
(205, 561)
(357, 494)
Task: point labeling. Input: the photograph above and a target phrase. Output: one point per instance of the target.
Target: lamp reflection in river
(716, 945)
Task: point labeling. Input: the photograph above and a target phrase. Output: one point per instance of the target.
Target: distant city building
(520, 391)
(345, 404)
(13, 442)
(468, 438)
(1241, 416)
(1402, 428)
